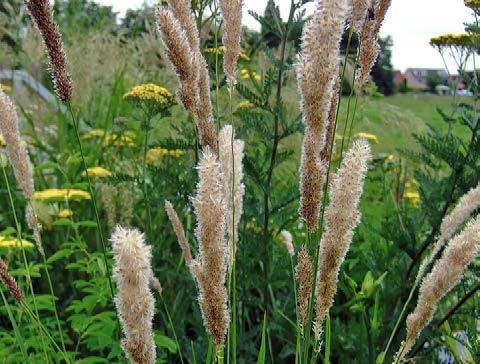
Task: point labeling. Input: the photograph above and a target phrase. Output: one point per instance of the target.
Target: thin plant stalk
(54, 304)
(170, 322)
(273, 157)
(353, 120)
(352, 90)
(24, 256)
(16, 331)
(94, 201)
(400, 317)
(44, 330)
(144, 177)
(328, 338)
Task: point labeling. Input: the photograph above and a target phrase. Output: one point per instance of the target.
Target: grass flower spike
(231, 166)
(369, 47)
(134, 300)
(341, 218)
(10, 282)
(303, 275)
(210, 267)
(181, 41)
(287, 240)
(467, 204)
(232, 31)
(317, 70)
(42, 14)
(179, 231)
(446, 273)
(20, 162)
(359, 10)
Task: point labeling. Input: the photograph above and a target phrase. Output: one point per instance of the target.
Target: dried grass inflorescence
(303, 275)
(10, 282)
(232, 32)
(134, 300)
(179, 232)
(181, 40)
(341, 218)
(467, 204)
(369, 47)
(231, 167)
(446, 273)
(287, 240)
(317, 70)
(210, 267)
(359, 11)
(42, 14)
(20, 161)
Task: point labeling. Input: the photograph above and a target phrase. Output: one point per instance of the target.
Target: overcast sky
(411, 23)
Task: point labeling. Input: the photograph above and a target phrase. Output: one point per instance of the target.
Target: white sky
(411, 23)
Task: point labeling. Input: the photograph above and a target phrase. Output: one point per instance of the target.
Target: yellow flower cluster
(119, 140)
(97, 172)
(154, 154)
(453, 40)
(247, 74)
(154, 97)
(57, 194)
(65, 213)
(94, 133)
(370, 137)
(473, 4)
(411, 192)
(244, 105)
(11, 242)
(219, 50)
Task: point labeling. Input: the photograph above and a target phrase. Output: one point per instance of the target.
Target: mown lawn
(394, 119)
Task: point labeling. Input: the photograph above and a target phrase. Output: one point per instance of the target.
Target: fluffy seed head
(10, 282)
(42, 14)
(210, 267)
(446, 273)
(312, 178)
(179, 231)
(287, 240)
(134, 300)
(359, 11)
(467, 204)
(232, 29)
(303, 275)
(369, 47)
(317, 67)
(19, 160)
(341, 218)
(231, 167)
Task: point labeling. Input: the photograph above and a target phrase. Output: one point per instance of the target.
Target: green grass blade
(262, 354)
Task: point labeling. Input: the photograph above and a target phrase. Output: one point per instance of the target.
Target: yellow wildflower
(120, 140)
(453, 40)
(155, 98)
(414, 197)
(244, 105)
(370, 137)
(94, 133)
(220, 49)
(56, 194)
(97, 172)
(2, 141)
(247, 74)
(11, 242)
(411, 184)
(65, 213)
(154, 154)
(473, 4)
(391, 158)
